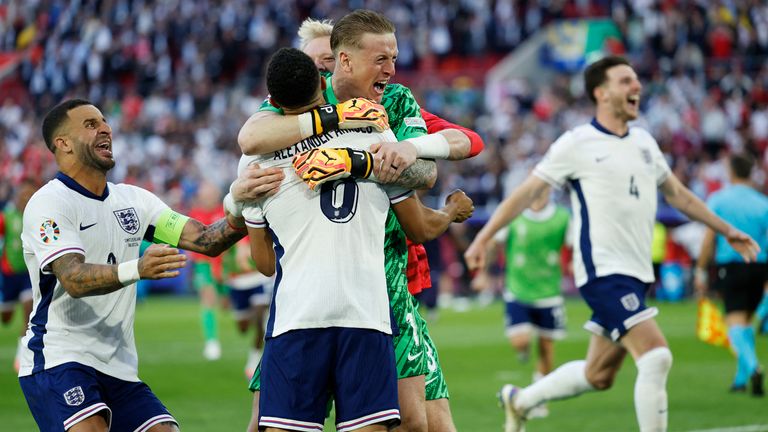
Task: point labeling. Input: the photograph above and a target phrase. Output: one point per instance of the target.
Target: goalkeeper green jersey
(533, 245)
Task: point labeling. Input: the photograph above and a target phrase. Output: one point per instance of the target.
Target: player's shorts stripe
(156, 420)
(59, 253)
(279, 253)
(40, 319)
(585, 243)
(293, 424)
(370, 419)
(85, 413)
(640, 317)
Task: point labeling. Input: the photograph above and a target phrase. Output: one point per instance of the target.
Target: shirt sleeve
(557, 165)
(435, 124)
(397, 194)
(659, 164)
(404, 112)
(254, 216)
(50, 230)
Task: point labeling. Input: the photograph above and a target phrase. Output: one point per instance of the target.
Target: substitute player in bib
(345, 297)
(534, 303)
(613, 171)
(81, 238)
(374, 60)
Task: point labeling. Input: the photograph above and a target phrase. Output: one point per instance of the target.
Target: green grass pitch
(212, 396)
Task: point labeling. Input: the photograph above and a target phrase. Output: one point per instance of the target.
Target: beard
(89, 158)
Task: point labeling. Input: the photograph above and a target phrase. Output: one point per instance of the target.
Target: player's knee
(656, 361)
(601, 380)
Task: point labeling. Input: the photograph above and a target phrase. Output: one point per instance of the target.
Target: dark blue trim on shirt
(75, 186)
(584, 242)
(605, 130)
(38, 323)
(279, 253)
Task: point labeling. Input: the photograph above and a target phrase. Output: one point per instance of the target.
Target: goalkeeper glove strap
(360, 163)
(320, 120)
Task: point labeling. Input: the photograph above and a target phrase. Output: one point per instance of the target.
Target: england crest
(630, 302)
(128, 219)
(74, 396)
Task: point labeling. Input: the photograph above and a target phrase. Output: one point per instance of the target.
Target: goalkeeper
(357, 303)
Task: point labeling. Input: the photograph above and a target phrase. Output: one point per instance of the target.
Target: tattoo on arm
(210, 239)
(421, 175)
(81, 280)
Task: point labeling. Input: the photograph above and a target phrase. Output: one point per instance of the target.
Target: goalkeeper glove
(320, 165)
(352, 114)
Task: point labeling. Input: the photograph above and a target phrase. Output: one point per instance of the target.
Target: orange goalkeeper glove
(352, 114)
(320, 165)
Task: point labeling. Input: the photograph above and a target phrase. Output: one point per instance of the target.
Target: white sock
(651, 389)
(566, 381)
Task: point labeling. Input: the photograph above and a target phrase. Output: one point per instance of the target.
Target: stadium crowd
(177, 80)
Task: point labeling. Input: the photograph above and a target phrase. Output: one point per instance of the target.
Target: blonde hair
(349, 30)
(312, 29)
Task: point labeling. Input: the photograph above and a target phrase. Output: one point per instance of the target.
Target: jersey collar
(604, 130)
(544, 214)
(328, 94)
(75, 186)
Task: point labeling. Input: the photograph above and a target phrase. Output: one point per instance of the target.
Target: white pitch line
(746, 428)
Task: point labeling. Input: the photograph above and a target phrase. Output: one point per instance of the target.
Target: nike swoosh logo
(600, 159)
(412, 358)
(85, 227)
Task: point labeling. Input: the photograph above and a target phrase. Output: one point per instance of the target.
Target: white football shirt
(97, 331)
(613, 186)
(329, 243)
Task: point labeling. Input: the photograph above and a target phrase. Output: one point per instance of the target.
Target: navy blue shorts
(548, 321)
(13, 288)
(244, 299)
(70, 393)
(303, 369)
(617, 303)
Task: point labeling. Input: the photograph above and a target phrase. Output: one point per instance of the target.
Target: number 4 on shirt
(633, 187)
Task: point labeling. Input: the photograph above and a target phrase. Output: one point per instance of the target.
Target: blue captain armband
(169, 227)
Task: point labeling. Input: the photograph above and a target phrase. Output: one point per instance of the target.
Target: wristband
(128, 272)
(433, 146)
(231, 206)
(238, 229)
(305, 125)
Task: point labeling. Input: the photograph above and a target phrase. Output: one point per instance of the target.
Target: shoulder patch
(49, 231)
(415, 122)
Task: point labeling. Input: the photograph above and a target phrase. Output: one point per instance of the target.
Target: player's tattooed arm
(211, 239)
(80, 279)
(421, 175)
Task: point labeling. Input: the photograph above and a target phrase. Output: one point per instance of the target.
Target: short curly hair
(292, 78)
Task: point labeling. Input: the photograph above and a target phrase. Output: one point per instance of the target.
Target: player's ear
(62, 144)
(344, 60)
(599, 92)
